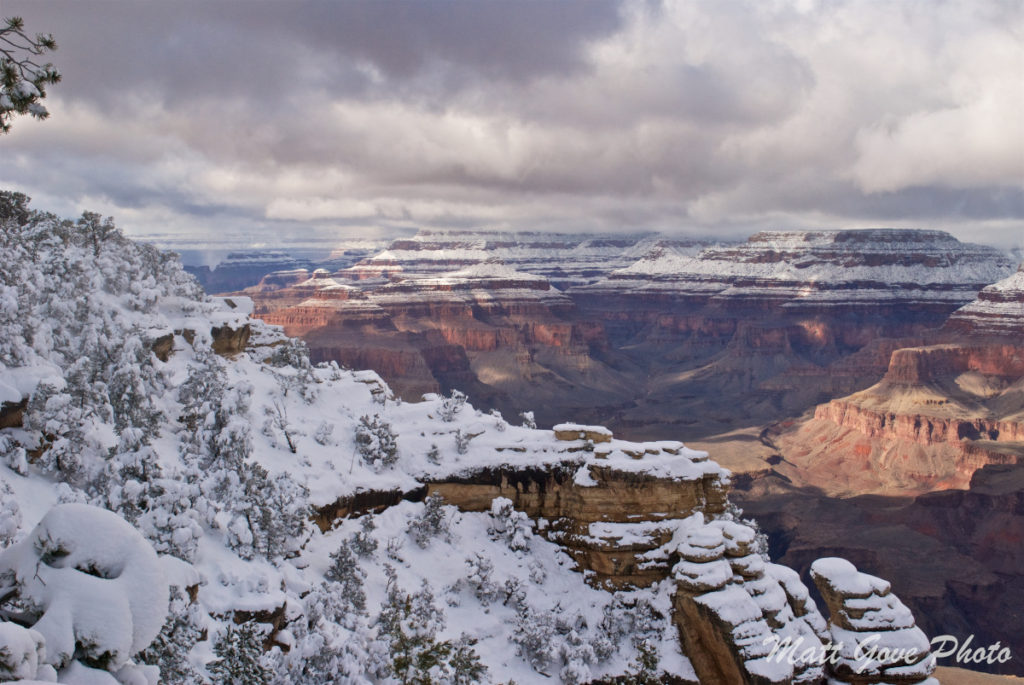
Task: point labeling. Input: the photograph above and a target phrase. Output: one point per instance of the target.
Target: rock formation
(875, 638)
(940, 412)
(634, 514)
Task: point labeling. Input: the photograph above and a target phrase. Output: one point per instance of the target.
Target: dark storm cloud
(675, 115)
(269, 51)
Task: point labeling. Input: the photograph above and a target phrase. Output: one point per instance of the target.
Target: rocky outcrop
(733, 610)
(608, 519)
(939, 414)
(227, 341)
(875, 639)
(12, 414)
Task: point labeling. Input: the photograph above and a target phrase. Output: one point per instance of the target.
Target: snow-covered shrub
(537, 572)
(462, 441)
(434, 456)
(10, 515)
(22, 654)
(431, 523)
(515, 594)
(514, 527)
(238, 653)
(534, 635)
(363, 543)
(14, 455)
(347, 579)
(409, 625)
(172, 523)
(527, 418)
(644, 669)
(577, 655)
(94, 586)
(394, 549)
(277, 421)
(324, 433)
(294, 371)
(327, 646)
(271, 514)
(500, 424)
(451, 406)
(375, 441)
(627, 618)
(479, 579)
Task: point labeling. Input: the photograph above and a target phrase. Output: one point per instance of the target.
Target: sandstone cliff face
(940, 413)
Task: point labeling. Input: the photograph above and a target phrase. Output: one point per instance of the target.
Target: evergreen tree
(238, 653)
(346, 575)
(409, 625)
(363, 543)
(23, 75)
(375, 441)
(171, 648)
(431, 523)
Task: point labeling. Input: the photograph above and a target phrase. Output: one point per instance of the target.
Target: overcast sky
(277, 119)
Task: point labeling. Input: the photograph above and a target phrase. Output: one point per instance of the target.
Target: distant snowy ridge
(817, 266)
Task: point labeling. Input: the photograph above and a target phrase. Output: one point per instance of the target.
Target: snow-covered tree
(179, 634)
(347, 578)
(363, 542)
(514, 527)
(375, 440)
(409, 625)
(431, 523)
(479, 579)
(10, 515)
(239, 652)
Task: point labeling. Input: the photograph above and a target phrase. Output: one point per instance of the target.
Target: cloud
(681, 115)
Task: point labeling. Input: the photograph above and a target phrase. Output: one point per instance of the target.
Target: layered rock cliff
(563, 258)
(940, 412)
(771, 325)
(674, 343)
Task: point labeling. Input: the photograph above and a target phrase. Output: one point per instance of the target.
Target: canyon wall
(652, 336)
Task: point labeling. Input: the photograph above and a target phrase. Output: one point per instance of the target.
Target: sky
(268, 121)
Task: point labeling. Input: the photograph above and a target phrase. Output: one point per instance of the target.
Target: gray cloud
(683, 115)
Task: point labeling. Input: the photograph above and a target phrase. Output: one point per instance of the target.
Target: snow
(844, 577)
(96, 577)
(583, 478)
(822, 267)
(24, 650)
